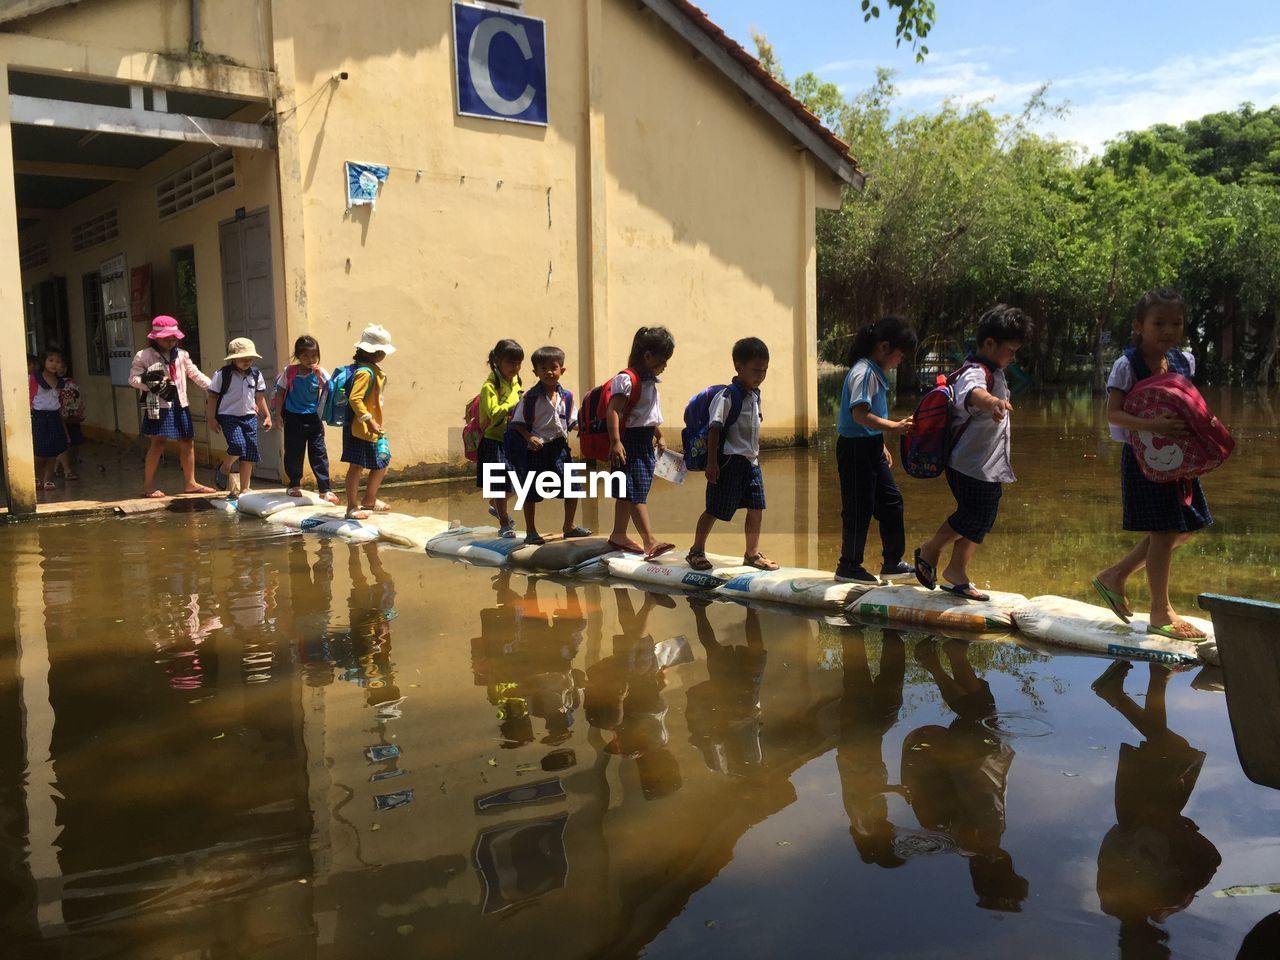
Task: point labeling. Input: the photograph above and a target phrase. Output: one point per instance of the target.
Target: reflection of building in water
(724, 710)
(956, 777)
(1154, 860)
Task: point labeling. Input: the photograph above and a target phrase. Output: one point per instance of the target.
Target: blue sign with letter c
(500, 58)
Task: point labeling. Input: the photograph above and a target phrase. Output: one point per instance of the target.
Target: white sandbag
(324, 519)
(673, 572)
(404, 530)
(475, 544)
(575, 554)
(790, 585)
(265, 504)
(916, 606)
(1083, 626)
(221, 505)
(1208, 651)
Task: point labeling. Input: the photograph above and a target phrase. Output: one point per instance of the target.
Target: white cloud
(1105, 102)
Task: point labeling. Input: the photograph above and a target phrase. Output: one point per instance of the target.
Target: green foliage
(915, 19)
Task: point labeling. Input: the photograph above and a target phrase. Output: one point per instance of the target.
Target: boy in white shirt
(237, 396)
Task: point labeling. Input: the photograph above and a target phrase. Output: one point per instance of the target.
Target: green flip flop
(1169, 632)
(1112, 599)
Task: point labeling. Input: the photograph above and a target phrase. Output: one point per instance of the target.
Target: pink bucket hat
(164, 326)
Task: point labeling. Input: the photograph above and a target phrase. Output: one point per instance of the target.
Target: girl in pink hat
(160, 373)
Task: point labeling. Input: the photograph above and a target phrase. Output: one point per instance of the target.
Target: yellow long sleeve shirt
(366, 403)
(498, 398)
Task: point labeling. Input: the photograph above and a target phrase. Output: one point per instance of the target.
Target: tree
(915, 20)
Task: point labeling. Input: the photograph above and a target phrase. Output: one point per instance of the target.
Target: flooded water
(216, 741)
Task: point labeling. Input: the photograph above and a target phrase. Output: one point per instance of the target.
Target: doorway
(248, 303)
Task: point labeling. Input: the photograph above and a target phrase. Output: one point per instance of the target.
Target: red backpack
(593, 426)
(1204, 446)
(926, 447)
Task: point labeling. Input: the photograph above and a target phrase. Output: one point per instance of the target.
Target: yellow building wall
(144, 239)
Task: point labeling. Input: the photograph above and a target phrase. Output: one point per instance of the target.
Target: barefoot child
(867, 487)
(499, 395)
(237, 395)
(634, 436)
(364, 427)
(543, 418)
(48, 435)
(733, 457)
(1156, 509)
(299, 394)
(979, 463)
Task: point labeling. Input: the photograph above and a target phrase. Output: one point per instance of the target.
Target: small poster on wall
(140, 292)
(115, 315)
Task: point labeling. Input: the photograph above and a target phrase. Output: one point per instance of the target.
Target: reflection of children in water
(723, 711)
(525, 658)
(956, 777)
(1154, 860)
(624, 695)
(868, 710)
(311, 590)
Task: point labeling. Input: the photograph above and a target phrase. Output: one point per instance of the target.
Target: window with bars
(33, 253)
(95, 327)
(212, 174)
(95, 230)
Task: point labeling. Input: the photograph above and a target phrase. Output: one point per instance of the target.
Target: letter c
(478, 65)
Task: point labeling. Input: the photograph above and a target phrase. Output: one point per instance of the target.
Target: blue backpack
(337, 407)
(515, 447)
(697, 422)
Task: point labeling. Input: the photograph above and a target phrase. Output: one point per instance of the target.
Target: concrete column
(15, 402)
(806, 321)
(289, 181)
(597, 319)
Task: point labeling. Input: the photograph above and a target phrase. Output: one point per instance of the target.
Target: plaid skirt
(1151, 507)
(740, 487)
(641, 459)
(357, 452)
(490, 451)
(48, 435)
(174, 423)
(242, 436)
(977, 503)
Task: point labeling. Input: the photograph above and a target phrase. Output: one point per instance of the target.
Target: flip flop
(627, 546)
(966, 591)
(357, 514)
(658, 550)
(697, 560)
(577, 532)
(759, 561)
(200, 488)
(926, 572)
(330, 497)
(378, 506)
(1112, 599)
(48, 485)
(532, 540)
(294, 492)
(154, 495)
(1180, 630)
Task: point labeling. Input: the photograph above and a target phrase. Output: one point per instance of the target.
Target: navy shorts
(740, 487)
(490, 451)
(48, 435)
(242, 436)
(357, 452)
(174, 423)
(977, 503)
(641, 459)
(552, 458)
(1151, 507)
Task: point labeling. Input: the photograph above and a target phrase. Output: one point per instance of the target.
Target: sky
(1119, 65)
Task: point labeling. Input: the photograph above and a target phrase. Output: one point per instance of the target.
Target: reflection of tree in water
(723, 711)
(524, 658)
(1154, 860)
(624, 696)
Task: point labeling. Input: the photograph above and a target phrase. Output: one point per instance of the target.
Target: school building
(557, 171)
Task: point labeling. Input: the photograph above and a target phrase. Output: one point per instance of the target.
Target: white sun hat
(240, 348)
(376, 339)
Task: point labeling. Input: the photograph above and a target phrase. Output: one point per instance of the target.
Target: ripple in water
(922, 844)
(1014, 726)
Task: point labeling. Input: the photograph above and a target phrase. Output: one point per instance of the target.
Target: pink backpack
(472, 432)
(1205, 445)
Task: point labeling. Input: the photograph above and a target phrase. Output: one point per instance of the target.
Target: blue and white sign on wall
(501, 61)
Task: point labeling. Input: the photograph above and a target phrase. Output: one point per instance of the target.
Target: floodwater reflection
(217, 741)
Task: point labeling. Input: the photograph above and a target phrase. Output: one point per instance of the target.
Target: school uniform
(740, 484)
(48, 434)
(303, 428)
(980, 462)
(867, 487)
(637, 435)
(359, 441)
(174, 422)
(238, 409)
(498, 397)
(1149, 506)
(548, 417)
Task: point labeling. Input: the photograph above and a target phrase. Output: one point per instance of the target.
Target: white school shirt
(646, 412)
(549, 415)
(1122, 378)
(47, 399)
(742, 437)
(982, 452)
(241, 397)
